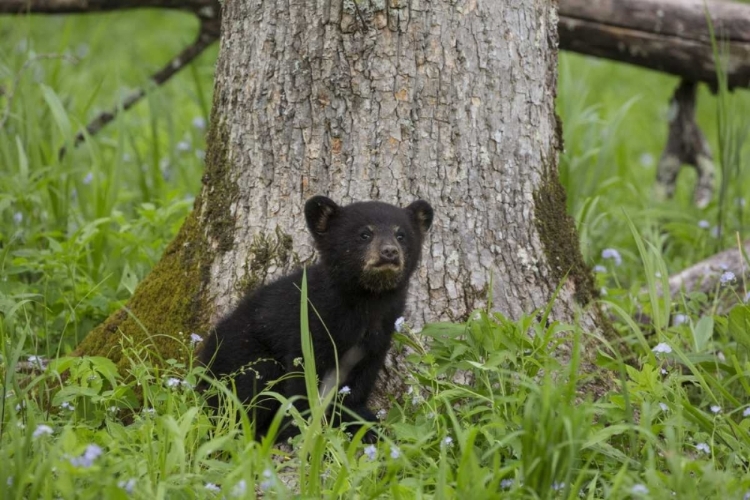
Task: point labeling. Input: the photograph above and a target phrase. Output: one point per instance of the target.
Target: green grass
(483, 419)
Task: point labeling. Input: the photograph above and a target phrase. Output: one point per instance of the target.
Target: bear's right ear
(318, 213)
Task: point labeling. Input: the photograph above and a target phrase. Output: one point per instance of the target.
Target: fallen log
(672, 36)
(706, 275)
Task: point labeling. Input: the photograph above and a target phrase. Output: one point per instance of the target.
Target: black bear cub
(367, 252)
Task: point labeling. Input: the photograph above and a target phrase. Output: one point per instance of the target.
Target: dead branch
(665, 35)
(206, 36)
(686, 145)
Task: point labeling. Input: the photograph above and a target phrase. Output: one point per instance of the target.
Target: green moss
(172, 298)
(560, 239)
(267, 250)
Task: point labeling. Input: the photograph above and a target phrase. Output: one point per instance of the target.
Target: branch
(665, 35)
(686, 145)
(705, 275)
(87, 6)
(207, 35)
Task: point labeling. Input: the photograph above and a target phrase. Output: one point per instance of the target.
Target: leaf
(702, 333)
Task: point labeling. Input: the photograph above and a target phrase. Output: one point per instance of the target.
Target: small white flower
(715, 409)
(113, 409)
(657, 274)
(430, 415)
(399, 324)
(679, 319)
(703, 447)
(639, 489)
(740, 201)
(704, 224)
(195, 339)
(199, 122)
(727, 277)
(663, 406)
(89, 177)
(720, 356)
(447, 441)
(183, 146)
(212, 487)
(65, 405)
(173, 382)
(611, 253)
(42, 430)
(240, 488)
(746, 412)
(506, 484)
(662, 348)
(267, 483)
(148, 411)
(371, 451)
(646, 159)
(395, 452)
(345, 390)
(18, 217)
(128, 485)
(86, 460)
(200, 154)
(600, 269)
(381, 414)
(603, 292)
(664, 371)
(557, 486)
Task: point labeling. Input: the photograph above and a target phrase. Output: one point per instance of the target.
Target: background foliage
(78, 233)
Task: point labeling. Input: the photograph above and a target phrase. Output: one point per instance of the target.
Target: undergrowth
(492, 412)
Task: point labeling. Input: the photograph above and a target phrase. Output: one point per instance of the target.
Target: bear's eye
(364, 236)
(400, 236)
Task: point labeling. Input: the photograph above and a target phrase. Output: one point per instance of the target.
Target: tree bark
(666, 35)
(452, 102)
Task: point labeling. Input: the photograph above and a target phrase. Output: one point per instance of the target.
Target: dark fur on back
(367, 252)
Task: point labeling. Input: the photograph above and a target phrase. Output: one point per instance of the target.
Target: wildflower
(267, 483)
(746, 412)
(239, 488)
(664, 371)
(611, 253)
(430, 415)
(447, 441)
(657, 274)
(715, 232)
(704, 224)
(381, 414)
(371, 451)
(679, 319)
(727, 277)
(703, 447)
(199, 122)
(86, 460)
(42, 430)
(603, 292)
(87, 180)
(148, 411)
(65, 405)
(212, 487)
(506, 484)
(715, 409)
(345, 390)
(646, 159)
(128, 485)
(399, 324)
(663, 406)
(183, 146)
(195, 339)
(9, 481)
(113, 410)
(395, 452)
(200, 154)
(18, 217)
(557, 486)
(173, 382)
(600, 269)
(639, 489)
(662, 348)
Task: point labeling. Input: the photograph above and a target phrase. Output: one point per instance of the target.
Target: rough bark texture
(448, 101)
(666, 35)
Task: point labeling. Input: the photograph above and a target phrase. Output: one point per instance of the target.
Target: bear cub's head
(371, 245)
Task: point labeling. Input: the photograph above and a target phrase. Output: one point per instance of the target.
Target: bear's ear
(421, 213)
(318, 213)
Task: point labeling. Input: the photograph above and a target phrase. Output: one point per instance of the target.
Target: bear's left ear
(318, 213)
(421, 213)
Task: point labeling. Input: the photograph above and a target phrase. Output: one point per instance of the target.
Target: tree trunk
(448, 101)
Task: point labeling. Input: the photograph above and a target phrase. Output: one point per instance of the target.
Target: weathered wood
(672, 36)
(705, 276)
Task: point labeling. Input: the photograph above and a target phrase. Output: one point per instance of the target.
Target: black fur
(367, 252)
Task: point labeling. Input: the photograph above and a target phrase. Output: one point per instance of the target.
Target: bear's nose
(389, 252)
